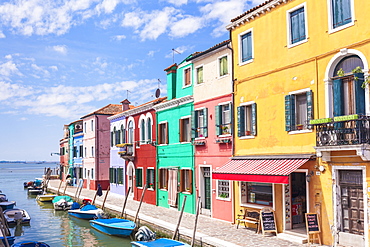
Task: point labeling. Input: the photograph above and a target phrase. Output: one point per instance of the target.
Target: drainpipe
(96, 150)
(233, 129)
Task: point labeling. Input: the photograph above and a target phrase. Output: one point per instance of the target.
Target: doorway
(298, 203)
(205, 190)
(130, 179)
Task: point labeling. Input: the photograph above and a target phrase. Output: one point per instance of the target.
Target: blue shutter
(287, 113)
(241, 117)
(359, 94)
(254, 119)
(194, 125)
(246, 46)
(205, 122)
(218, 119)
(341, 10)
(309, 108)
(337, 97)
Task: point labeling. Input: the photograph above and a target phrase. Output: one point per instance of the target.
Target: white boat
(17, 215)
(62, 203)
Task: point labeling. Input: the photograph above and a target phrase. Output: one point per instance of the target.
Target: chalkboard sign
(312, 223)
(268, 220)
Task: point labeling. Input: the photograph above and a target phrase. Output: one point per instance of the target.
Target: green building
(175, 152)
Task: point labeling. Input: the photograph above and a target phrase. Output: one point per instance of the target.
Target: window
(92, 151)
(223, 119)
(92, 125)
(112, 175)
(187, 77)
(85, 152)
(298, 110)
(348, 94)
(92, 173)
(247, 120)
(142, 132)
(85, 129)
(163, 178)
(245, 47)
(117, 136)
(297, 25)
(199, 72)
(223, 66)
(81, 151)
(341, 13)
(199, 122)
(130, 134)
(75, 152)
(139, 177)
(123, 134)
(149, 130)
(150, 178)
(163, 133)
(185, 129)
(223, 189)
(256, 193)
(186, 182)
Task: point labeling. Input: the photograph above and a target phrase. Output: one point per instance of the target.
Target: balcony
(350, 132)
(126, 151)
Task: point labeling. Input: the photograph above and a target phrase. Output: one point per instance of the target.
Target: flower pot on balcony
(299, 127)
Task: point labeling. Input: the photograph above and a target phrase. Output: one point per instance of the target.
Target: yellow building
(301, 99)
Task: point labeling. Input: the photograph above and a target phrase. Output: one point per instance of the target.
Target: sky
(62, 59)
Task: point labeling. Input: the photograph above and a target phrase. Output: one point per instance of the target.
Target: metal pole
(124, 204)
(141, 201)
(179, 220)
(196, 222)
(105, 198)
(60, 184)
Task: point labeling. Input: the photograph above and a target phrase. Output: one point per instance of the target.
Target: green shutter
(137, 175)
(110, 174)
(309, 108)
(111, 139)
(359, 94)
(194, 127)
(218, 116)
(337, 97)
(254, 119)
(205, 122)
(147, 178)
(241, 119)
(288, 115)
(120, 175)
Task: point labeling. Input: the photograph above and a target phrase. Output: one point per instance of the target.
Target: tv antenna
(173, 55)
(158, 91)
(127, 93)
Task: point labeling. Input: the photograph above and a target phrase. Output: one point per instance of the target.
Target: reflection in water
(56, 228)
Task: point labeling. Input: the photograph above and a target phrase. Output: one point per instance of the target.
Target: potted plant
(225, 130)
(299, 126)
(247, 133)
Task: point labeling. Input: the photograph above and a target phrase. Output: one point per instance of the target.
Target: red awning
(259, 170)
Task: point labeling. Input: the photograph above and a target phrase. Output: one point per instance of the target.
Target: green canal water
(55, 228)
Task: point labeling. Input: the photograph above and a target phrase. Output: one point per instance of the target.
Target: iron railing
(350, 132)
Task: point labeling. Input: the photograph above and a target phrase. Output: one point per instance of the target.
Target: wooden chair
(249, 216)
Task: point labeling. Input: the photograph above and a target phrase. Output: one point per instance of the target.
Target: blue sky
(61, 59)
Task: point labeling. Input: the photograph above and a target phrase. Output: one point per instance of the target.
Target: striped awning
(258, 170)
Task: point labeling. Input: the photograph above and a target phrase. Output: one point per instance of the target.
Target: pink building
(212, 125)
(96, 146)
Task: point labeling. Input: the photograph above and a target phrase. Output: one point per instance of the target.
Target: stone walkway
(211, 232)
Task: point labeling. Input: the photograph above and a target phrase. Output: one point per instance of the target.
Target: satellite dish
(324, 138)
(157, 93)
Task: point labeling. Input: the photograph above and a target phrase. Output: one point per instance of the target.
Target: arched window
(348, 93)
(115, 136)
(130, 132)
(123, 133)
(149, 130)
(142, 132)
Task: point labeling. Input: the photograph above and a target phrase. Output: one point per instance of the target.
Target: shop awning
(259, 170)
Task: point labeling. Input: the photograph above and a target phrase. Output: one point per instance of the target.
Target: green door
(207, 188)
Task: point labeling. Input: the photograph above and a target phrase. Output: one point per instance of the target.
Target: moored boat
(30, 244)
(7, 205)
(46, 197)
(34, 190)
(62, 203)
(87, 212)
(114, 226)
(15, 215)
(3, 197)
(163, 242)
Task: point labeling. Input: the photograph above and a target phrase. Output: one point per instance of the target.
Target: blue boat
(161, 242)
(7, 205)
(30, 244)
(115, 226)
(88, 212)
(9, 238)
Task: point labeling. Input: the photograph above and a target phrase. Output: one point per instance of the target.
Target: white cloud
(151, 53)
(2, 35)
(53, 67)
(186, 26)
(9, 57)
(38, 69)
(119, 37)
(8, 68)
(60, 48)
(178, 2)
(107, 6)
(179, 49)
(134, 19)
(8, 91)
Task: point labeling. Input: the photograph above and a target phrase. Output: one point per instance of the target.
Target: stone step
(293, 237)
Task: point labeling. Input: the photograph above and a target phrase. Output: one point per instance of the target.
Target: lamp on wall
(308, 176)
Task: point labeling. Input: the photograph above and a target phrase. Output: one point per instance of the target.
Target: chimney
(125, 105)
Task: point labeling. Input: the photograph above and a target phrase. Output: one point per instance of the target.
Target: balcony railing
(343, 130)
(126, 150)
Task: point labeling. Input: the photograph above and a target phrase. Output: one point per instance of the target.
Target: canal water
(55, 228)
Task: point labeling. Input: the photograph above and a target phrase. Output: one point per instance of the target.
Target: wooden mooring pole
(141, 201)
(124, 204)
(179, 220)
(105, 198)
(196, 222)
